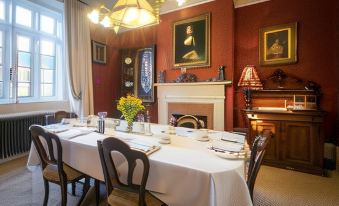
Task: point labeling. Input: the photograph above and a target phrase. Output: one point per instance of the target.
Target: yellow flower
(129, 107)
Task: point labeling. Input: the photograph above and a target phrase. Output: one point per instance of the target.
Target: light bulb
(106, 22)
(145, 17)
(181, 2)
(131, 16)
(94, 16)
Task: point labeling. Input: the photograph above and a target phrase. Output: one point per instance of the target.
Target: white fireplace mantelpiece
(195, 93)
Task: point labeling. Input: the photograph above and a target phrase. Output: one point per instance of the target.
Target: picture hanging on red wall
(278, 45)
(191, 47)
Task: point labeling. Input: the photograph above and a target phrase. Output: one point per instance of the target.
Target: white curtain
(78, 57)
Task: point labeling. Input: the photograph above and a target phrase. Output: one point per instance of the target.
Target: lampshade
(249, 79)
(128, 14)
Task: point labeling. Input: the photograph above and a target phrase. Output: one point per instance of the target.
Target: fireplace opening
(189, 121)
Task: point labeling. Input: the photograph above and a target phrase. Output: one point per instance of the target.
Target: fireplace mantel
(228, 82)
(196, 93)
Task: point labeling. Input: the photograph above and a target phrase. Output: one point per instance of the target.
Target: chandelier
(128, 14)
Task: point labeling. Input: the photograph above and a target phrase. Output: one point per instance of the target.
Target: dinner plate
(231, 156)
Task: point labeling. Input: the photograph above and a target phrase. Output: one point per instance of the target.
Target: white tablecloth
(183, 173)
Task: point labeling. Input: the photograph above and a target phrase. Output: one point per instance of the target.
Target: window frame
(12, 30)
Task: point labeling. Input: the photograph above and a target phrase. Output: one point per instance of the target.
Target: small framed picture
(278, 45)
(98, 52)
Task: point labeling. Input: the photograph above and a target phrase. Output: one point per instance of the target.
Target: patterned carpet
(279, 187)
(23, 187)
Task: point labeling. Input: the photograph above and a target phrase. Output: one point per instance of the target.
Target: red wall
(161, 35)
(316, 47)
(234, 43)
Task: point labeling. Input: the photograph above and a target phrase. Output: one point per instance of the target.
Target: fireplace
(202, 99)
(189, 120)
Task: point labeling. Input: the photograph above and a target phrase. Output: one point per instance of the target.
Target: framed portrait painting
(98, 52)
(191, 46)
(278, 45)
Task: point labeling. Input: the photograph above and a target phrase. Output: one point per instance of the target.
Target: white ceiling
(171, 5)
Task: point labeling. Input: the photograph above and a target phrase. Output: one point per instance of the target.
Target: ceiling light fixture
(128, 14)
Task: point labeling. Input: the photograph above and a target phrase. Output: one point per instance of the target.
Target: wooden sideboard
(297, 142)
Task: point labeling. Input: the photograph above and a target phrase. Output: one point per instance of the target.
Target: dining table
(183, 172)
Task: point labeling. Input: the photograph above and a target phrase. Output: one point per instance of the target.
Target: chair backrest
(189, 121)
(59, 115)
(49, 150)
(111, 144)
(257, 155)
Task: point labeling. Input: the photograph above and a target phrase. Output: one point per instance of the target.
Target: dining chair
(125, 193)
(257, 154)
(190, 121)
(53, 168)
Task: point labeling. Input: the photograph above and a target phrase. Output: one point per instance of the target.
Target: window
(31, 48)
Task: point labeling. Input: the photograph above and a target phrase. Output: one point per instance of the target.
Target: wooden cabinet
(297, 141)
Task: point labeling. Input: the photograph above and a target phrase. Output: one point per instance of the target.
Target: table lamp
(249, 80)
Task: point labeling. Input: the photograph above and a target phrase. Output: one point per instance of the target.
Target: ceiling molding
(242, 3)
(190, 3)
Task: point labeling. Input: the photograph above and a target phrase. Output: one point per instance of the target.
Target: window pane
(46, 90)
(2, 10)
(47, 62)
(1, 75)
(1, 89)
(1, 39)
(47, 24)
(23, 43)
(23, 16)
(1, 56)
(23, 89)
(47, 76)
(24, 59)
(47, 48)
(24, 74)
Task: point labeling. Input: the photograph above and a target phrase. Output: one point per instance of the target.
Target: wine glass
(102, 115)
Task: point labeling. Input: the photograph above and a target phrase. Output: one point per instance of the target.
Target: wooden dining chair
(257, 154)
(189, 121)
(53, 168)
(119, 193)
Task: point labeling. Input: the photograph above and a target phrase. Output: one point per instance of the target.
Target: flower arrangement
(129, 106)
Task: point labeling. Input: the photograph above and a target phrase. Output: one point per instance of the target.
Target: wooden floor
(13, 165)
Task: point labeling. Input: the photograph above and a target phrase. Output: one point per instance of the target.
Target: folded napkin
(57, 128)
(233, 137)
(183, 131)
(71, 133)
(227, 146)
(144, 146)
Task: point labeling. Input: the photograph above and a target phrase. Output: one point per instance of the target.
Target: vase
(129, 127)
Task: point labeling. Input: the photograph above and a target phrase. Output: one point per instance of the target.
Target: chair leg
(73, 188)
(97, 191)
(46, 185)
(63, 193)
(84, 190)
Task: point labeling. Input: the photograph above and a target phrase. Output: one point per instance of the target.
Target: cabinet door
(301, 143)
(272, 151)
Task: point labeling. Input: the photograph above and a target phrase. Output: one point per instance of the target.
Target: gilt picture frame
(98, 52)
(278, 45)
(191, 42)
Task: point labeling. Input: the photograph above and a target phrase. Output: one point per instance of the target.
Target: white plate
(203, 139)
(232, 156)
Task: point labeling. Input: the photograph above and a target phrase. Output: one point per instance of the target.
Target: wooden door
(300, 143)
(272, 151)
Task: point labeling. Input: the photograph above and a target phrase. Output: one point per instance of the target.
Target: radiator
(15, 137)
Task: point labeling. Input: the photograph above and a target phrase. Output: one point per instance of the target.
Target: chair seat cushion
(124, 198)
(51, 173)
